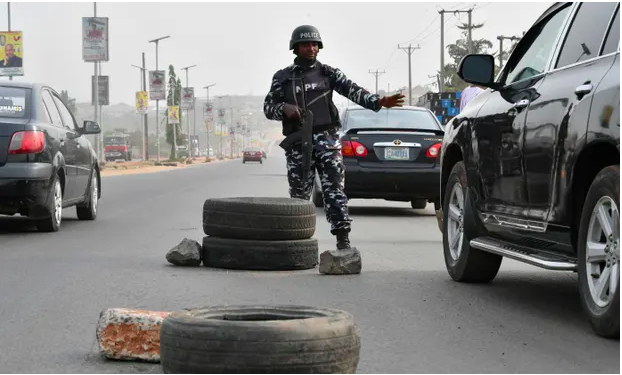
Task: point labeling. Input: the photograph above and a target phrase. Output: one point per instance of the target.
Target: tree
(457, 51)
(69, 102)
(173, 98)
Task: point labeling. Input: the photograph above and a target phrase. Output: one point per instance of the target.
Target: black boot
(343, 241)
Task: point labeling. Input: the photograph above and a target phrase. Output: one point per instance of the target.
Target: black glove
(291, 111)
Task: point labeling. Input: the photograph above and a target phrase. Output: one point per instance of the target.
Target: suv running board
(526, 255)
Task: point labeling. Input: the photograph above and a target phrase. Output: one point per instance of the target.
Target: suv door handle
(583, 89)
(521, 104)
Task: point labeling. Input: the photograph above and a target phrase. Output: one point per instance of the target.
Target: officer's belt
(296, 137)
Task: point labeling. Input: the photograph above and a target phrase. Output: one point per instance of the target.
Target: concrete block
(341, 262)
(127, 334)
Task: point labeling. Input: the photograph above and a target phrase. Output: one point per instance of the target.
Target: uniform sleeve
(352, 91)
(273, 103)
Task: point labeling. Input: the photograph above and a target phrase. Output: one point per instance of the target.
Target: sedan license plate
(396, 153)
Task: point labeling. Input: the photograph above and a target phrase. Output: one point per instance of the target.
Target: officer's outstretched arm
(352, 91)
(273, 103)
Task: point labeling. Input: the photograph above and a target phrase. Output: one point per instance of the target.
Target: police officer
(308, 84)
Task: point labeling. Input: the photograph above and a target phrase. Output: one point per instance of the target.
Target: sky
(239, 46)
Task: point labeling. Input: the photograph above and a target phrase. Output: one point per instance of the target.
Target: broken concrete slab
(187, 253)
(127, 334)
(341, 262)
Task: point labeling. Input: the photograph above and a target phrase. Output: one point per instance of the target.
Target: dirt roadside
(141, 167)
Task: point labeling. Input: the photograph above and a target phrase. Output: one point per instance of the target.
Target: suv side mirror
(90, 127)
(478, 69)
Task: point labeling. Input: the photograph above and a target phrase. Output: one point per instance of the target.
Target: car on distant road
(390, 155)
(252, 154)
(531, 168)
(46, 162)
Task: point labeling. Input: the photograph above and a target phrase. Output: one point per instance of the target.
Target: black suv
(531, 167)
(45, 162)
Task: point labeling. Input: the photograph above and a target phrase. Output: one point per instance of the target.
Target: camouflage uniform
(327, 158)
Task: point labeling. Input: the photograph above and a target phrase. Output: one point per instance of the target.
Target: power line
(376, 74)
(469, 41)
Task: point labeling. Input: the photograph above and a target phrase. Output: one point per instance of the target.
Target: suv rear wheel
(599, 253)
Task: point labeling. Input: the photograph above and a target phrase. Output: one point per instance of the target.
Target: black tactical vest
(317, 96)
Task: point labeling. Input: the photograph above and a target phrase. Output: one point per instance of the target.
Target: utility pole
(8, 10)
(98, 137)
(409, 50)
(187, 117)
(231, 127)
(146, 115)
(438, 80)
(501, 38)
(143, 80)
(376, 74)
(220, 150)
(442, 12)
(207, 127)
(157, 44)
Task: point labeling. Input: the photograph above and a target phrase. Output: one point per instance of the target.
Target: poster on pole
(142, 102)
(208, 109)
(221, 113)
(209, 124)
(95, 39)
(11, 53)
(103, 86)
(187, 98)
(157, 84)
(173, 114)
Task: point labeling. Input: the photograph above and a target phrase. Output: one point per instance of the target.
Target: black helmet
(305, 33)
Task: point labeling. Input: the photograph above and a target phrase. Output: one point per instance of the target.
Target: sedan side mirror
(90, 127)
(478, 69)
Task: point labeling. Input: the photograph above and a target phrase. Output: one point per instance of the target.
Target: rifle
(307, 145)
(305, 137)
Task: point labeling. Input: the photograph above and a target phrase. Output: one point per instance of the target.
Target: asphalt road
(413, 318)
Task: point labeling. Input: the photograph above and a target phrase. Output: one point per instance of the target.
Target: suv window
(613, 39)
(65, 114)
(53, 113)
(586, 33)
(531, 58)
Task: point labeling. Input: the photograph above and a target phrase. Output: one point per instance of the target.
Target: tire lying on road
(259, 218)
(259, 339)
(259, 255)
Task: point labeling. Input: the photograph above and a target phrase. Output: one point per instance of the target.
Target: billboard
(157, 84)
(173, 114)
(187, 98)
(142, 102)
(95, 39)
(11, 53)
(103, 84)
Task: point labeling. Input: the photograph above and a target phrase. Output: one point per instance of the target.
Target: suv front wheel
(463, 262)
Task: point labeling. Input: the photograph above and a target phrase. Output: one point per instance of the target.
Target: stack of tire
(259, 233)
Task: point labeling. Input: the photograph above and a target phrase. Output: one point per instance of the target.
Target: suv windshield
(114, 141)
(390, 118)
(13, 102)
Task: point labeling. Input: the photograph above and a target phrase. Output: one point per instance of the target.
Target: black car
(46, 164)
(390, 154)
(531, 167)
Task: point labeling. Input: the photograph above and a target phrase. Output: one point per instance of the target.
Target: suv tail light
(433, 151)
(27, 142)
(352, 149)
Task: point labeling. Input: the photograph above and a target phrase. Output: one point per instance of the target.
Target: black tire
(418, 204)
(605, 320)
(88, 210)
(260, 255)
(259, 340)
(259, 218)
(472, 265)
(52, 223)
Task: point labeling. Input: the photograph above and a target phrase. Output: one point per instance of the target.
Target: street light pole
(207, 128)
(143, 119)
(190, 148)
(157, 43)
